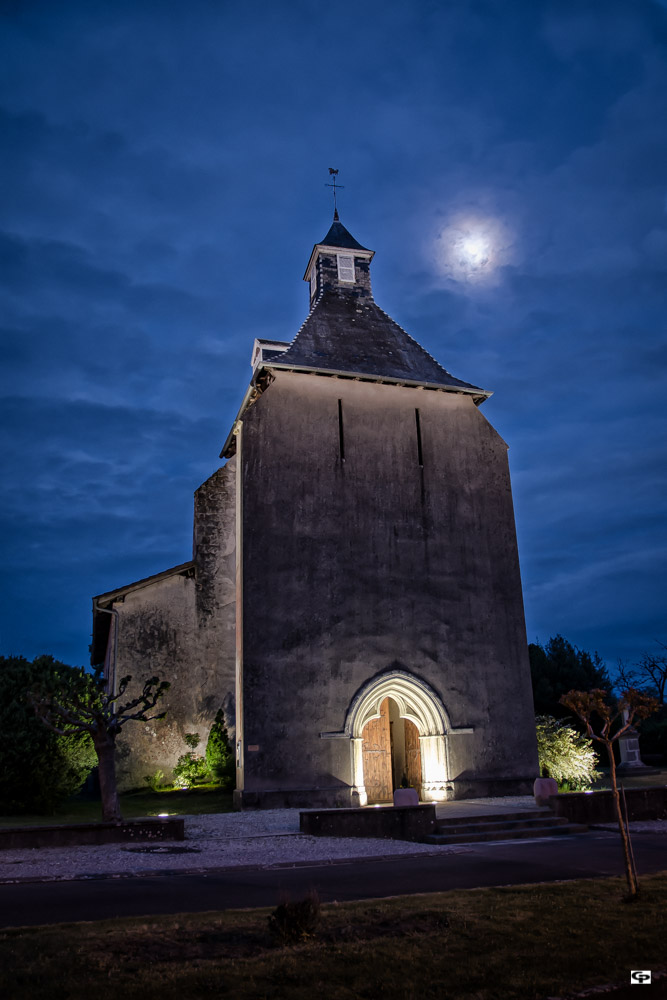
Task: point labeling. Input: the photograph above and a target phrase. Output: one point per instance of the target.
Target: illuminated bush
(191, 767)
(567, 755)
(219, 755)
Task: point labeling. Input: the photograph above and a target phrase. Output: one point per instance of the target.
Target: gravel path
(224, 840)
(263, 839)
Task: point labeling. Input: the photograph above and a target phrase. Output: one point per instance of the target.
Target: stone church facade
(354, 599)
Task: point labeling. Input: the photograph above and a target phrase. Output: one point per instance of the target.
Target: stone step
(496, 817)
(505, 824)
(521, 833)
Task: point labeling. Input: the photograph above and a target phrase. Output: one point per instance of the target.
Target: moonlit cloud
(472, 248)
(165, 167)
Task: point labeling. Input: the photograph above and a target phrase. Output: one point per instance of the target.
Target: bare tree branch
(83, 703)
(634, 705)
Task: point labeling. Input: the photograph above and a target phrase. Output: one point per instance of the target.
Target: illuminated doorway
(419, 738)
(391, 753)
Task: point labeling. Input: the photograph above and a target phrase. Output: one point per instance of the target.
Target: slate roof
(338, 236)
(348, 334)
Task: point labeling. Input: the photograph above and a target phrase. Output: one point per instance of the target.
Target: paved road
(511, 863)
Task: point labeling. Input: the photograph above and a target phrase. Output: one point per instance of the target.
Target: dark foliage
(39, 769)
(559, 667)
(295, 921)
(653, 735)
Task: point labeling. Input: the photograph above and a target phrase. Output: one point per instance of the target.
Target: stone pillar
(359, 796)
(628, 746)
(434, 768)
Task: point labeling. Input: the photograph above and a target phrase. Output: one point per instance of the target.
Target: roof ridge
(420, 346)
(313, 306)
(318, 340)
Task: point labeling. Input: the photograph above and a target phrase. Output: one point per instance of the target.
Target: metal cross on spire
(336, 187)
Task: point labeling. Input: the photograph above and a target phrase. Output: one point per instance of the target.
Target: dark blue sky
(163, 176)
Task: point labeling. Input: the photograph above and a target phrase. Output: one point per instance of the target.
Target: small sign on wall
(253, 746)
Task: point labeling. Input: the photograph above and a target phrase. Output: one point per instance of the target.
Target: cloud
(167, 169)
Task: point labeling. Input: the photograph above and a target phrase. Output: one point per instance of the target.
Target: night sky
(163, 183)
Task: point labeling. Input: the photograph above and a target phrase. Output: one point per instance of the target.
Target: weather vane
(336, 187)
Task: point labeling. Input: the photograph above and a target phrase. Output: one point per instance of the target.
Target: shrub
(567, 755)
(39, 769)
(295, 921)
(155, 781)
(191, 767)
(219, 755)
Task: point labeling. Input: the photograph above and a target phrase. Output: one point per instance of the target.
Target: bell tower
(339, 263)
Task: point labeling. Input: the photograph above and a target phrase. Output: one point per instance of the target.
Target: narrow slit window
(420, 454)
(341, 435)
(345, 267)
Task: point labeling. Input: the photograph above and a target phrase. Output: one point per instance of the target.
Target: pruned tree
(82, 702)
(632, 706)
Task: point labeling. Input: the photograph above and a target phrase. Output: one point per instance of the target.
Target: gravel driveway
(264, 839)
(224, 840)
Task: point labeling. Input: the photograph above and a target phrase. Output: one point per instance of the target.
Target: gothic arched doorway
(419, 736)
(391, 753)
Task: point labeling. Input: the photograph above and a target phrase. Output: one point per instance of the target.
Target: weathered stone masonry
(180, 626)
(354, 598)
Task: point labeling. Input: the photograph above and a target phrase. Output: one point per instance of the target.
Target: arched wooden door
(376, 737)
(379, 760)
(413, 756)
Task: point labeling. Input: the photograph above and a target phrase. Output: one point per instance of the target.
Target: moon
(471, 249)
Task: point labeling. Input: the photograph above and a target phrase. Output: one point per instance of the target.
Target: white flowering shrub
(567, 755)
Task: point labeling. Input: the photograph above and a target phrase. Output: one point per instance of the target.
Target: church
(353, 602)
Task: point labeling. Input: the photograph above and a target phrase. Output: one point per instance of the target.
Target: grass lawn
(203, 799)
(523, 942)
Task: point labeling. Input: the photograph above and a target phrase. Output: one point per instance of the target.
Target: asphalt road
(585, 855)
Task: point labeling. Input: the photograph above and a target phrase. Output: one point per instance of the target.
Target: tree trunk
(629, 870)
(104, 747)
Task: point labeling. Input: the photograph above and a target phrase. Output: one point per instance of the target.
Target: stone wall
(376, 563)
(388, 822)
(598, 807)
(181, 628)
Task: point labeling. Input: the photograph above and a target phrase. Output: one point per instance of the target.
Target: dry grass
(488, 944)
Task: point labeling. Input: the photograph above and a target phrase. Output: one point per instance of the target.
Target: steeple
(339, 262)
(346, 333)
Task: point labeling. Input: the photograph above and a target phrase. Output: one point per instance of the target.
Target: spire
(333, 172)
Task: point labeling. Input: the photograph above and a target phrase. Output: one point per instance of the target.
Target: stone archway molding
(418, 702)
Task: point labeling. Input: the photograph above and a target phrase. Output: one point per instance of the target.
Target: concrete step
(509, 823)
(544, 813)
(498, 832)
